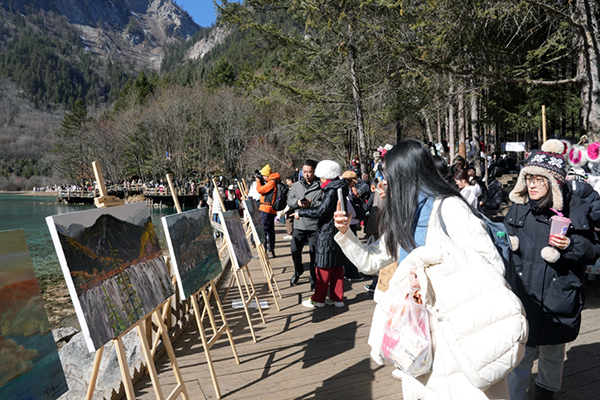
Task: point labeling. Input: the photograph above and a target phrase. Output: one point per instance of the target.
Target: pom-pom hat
(548, 163)
(578, 156)
(328, 169)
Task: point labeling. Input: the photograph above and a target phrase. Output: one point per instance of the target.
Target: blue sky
(202, 11)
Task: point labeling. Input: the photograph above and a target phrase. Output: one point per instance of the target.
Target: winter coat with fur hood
(327, 253)
(478, 326)
(549, 280)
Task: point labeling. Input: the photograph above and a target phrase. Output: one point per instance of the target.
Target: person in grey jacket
(306, 193)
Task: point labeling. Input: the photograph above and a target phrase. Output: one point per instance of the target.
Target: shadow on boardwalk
(323, 353)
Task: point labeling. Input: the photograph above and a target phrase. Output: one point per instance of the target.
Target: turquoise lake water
(29, 213)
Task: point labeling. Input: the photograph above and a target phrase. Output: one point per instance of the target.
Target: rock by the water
(64, 334)
(78, 364)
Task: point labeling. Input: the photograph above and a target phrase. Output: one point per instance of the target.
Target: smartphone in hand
(342, 199)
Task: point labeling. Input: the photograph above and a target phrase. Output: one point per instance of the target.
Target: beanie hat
(593, 152)
(266, 170)
(328, 169)
(548, 163)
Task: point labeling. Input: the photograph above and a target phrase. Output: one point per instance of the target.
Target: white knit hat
(328, 169)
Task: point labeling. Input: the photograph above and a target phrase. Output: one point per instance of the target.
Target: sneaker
(369, 288)
(338, 304)
(271, 254)
(287, 237)
(397, 374)
(310, 303)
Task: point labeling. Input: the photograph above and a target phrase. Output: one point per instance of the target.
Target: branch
(577, 80)
(561, 14)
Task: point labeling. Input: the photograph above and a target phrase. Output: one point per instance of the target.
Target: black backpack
(280, 201)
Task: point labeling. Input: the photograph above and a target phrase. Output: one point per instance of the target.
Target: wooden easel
(210, 289)
(143, 327)
(264, 260)
(241, 274)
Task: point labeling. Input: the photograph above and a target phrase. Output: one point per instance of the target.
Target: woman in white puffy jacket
(477, 324)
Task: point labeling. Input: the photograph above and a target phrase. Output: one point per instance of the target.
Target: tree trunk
(358, 109)
(398, 132)
(462, 134)
(427, 126)
(439, 127)
(586, 12)
(475, 129)
(451, 121)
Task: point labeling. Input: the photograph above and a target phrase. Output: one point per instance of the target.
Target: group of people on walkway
(489, 317)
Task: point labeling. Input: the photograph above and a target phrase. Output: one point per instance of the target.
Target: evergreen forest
(329, 79)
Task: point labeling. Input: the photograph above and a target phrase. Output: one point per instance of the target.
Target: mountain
(112, 234)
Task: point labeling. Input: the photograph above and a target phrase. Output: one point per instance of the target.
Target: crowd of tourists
(492, 308)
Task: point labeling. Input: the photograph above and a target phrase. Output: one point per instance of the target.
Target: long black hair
(409, 171)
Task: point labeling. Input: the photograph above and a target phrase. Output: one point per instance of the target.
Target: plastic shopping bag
(407, 339)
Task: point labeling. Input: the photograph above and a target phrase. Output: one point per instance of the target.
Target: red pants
(329, 276)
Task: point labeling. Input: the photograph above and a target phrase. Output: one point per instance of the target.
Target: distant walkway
(323, 353)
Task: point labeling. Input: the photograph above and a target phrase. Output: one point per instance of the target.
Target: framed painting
(194, 254)
(251, 210)
(29, 363)
(235, 234)
(113, 266)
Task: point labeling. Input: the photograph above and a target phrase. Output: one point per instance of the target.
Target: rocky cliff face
(132, 30)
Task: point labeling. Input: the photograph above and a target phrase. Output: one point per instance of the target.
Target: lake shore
(30, 193)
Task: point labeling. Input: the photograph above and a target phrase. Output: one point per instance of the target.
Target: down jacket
(327, 253)
(478, 325)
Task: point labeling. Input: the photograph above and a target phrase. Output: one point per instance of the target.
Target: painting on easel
(194, 254)
(234, 230)
(252, 211)
(113, 267)
(29, 363)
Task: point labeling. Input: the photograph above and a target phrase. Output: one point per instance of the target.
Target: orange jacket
(268, 193)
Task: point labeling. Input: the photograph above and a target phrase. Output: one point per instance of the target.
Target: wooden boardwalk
(323, 353)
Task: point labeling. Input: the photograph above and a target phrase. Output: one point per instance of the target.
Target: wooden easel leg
(239, 285)
(213, 290)
(95, 370)
(162, 330)
(269, 275)
(262, 316)
(149, 362)
(211, 367)
(230, 284)
(127, 383)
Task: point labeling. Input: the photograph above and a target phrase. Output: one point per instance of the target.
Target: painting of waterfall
(234, 232)
(29, 363)
(194, 254)
(113, 266)
(251, 210)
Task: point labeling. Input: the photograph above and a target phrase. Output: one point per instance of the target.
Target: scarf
(420, 223)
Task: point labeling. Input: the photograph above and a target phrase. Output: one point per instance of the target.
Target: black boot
(543, 394)
(295, 278)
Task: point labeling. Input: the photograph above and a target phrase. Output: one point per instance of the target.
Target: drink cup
(559, 226)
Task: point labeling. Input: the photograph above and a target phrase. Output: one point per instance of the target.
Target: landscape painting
(113, 266)
(234, 231)
(29, 363)
(252, 213)
(194, 254)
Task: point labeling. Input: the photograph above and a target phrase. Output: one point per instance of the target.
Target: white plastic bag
(406, 337)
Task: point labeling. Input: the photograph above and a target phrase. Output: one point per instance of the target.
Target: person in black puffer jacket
(549, 271)
(329, 259)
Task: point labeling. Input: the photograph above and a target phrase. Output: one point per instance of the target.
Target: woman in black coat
(329, 258)
(549, 271)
